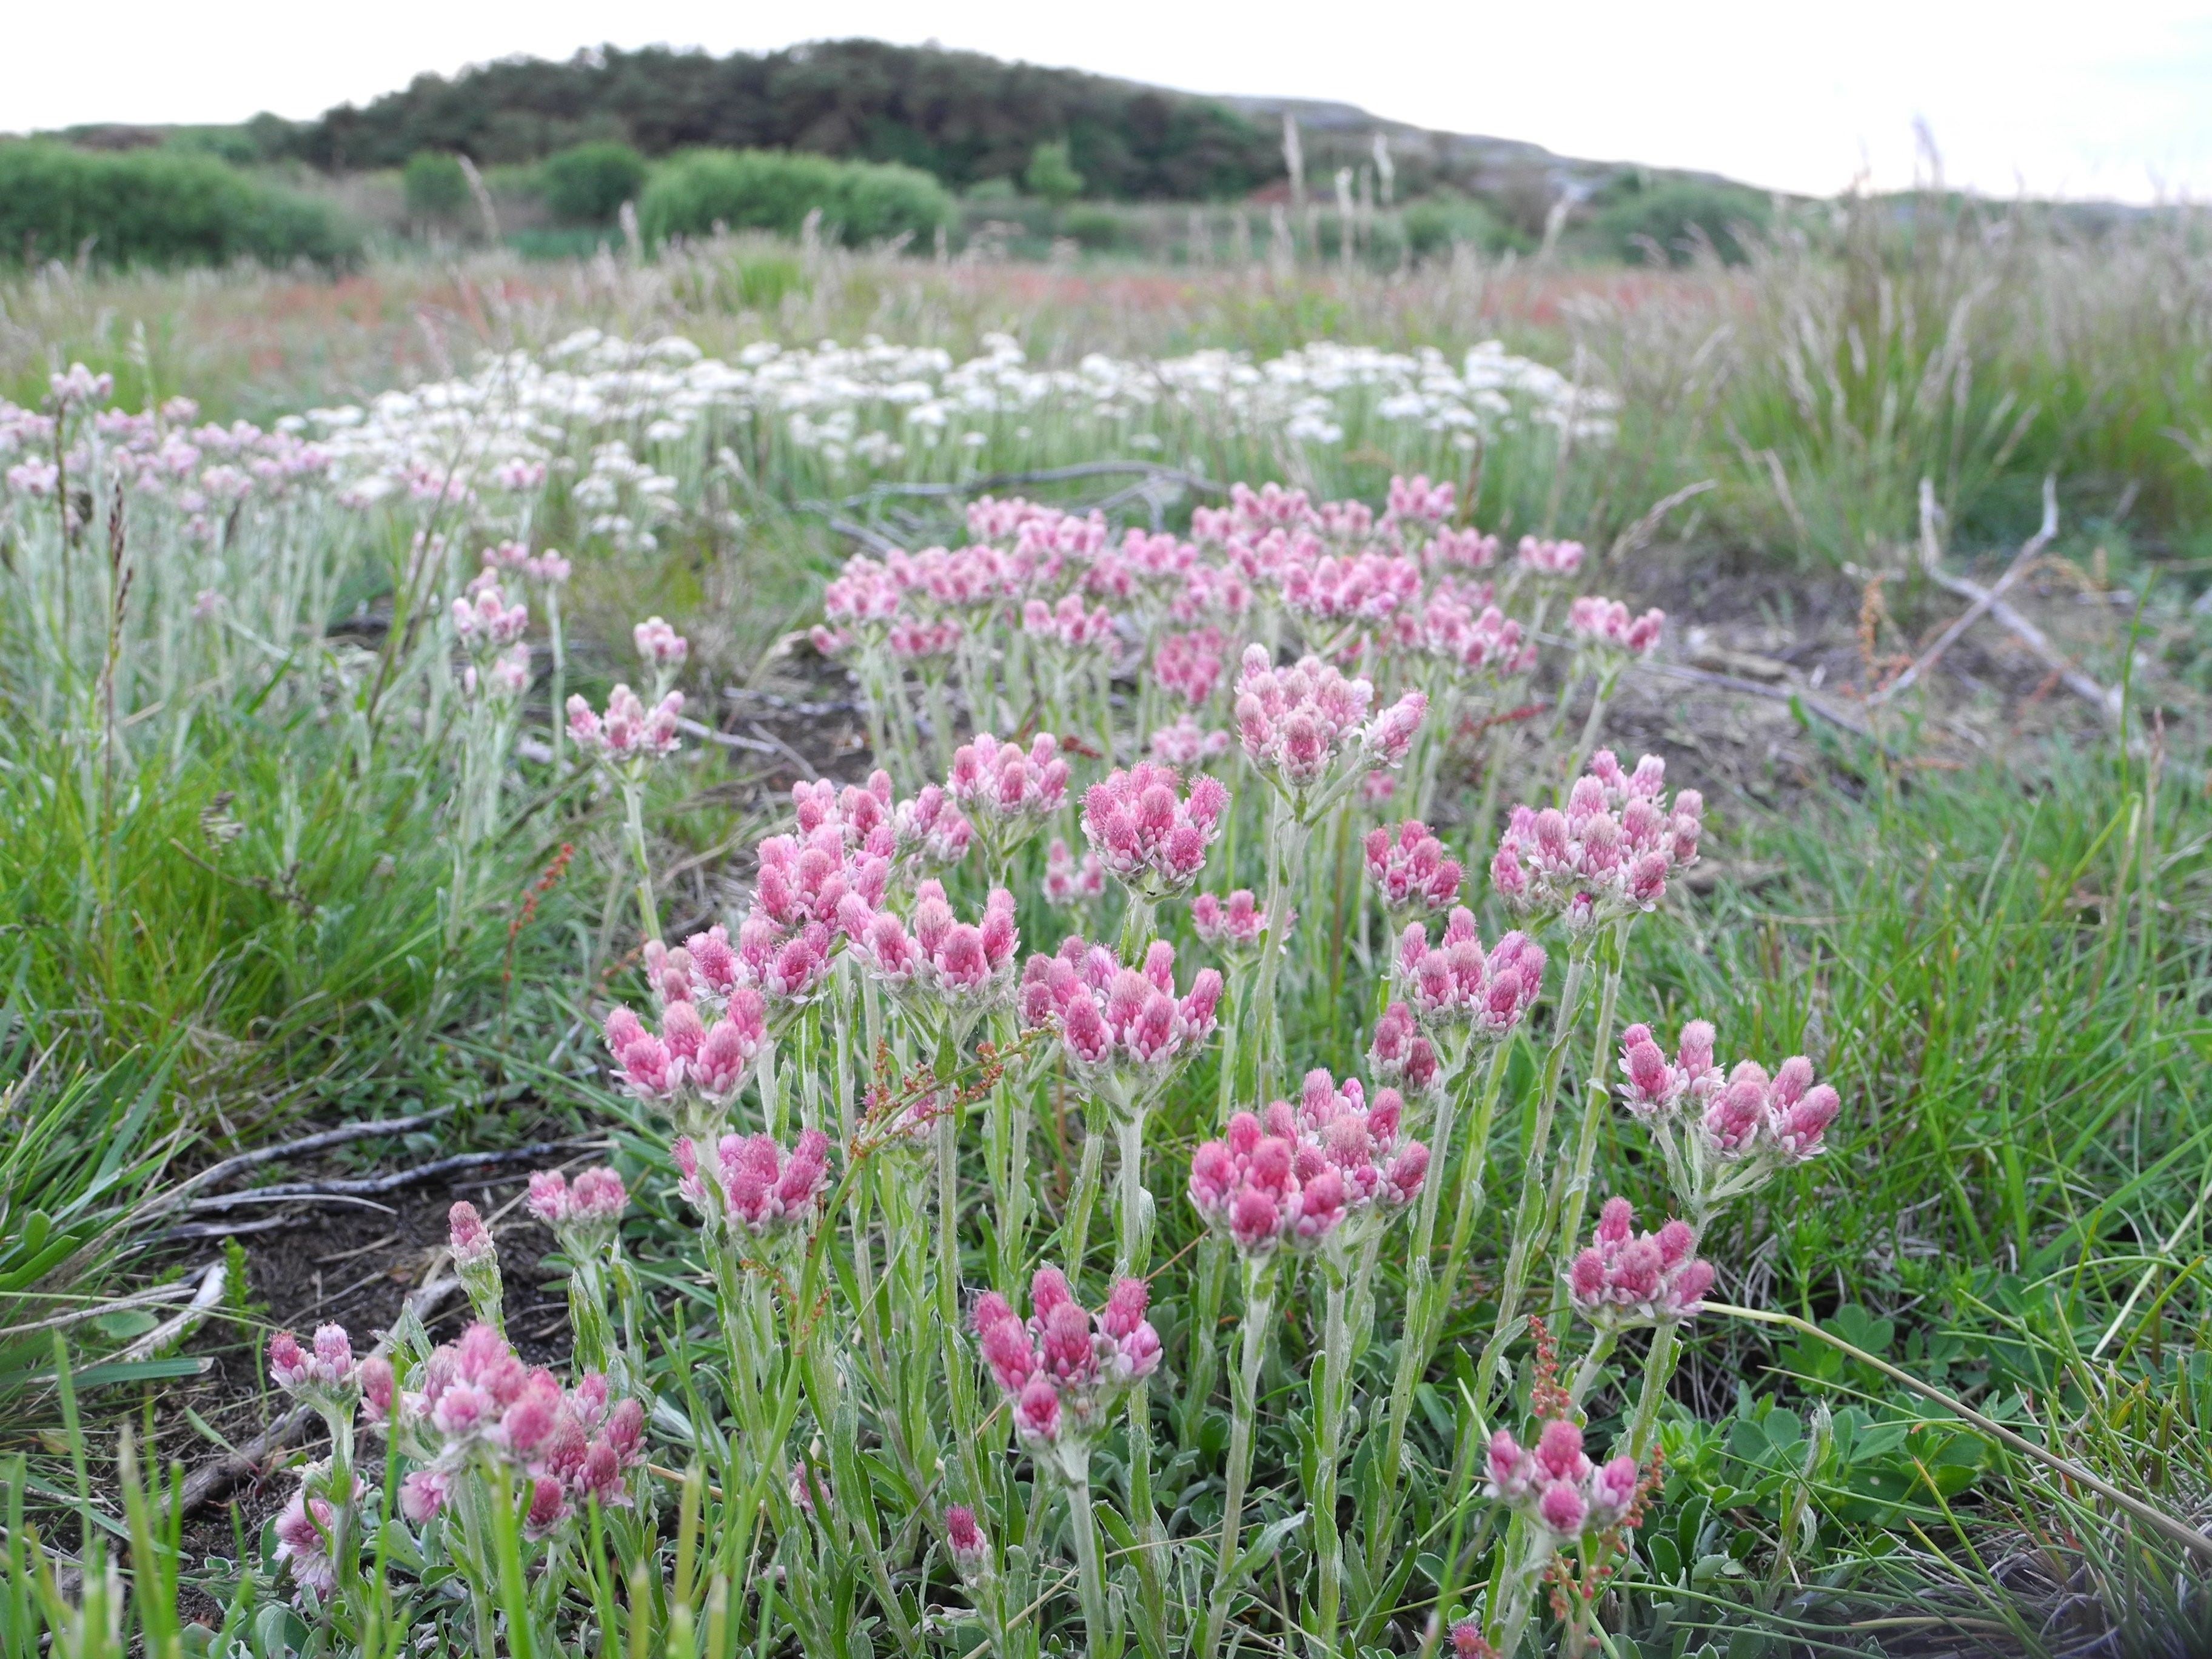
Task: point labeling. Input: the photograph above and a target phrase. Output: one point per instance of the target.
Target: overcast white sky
(2113, 99)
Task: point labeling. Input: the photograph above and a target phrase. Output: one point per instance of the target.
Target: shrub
(773, 189)
(1099, 229)
(1677, 217)
(157, 207)
(1438, 223)
(1051, 174)
(587, 185)
(435, 186)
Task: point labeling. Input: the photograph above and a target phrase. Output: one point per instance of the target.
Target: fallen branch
(211, 1481)
(692, 728)
(314, 1142)
(2105, 699)
(175, 1328)
(365, 1186)
(2030, 551)
(1796, 697)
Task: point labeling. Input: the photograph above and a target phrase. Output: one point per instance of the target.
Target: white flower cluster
(606, 411)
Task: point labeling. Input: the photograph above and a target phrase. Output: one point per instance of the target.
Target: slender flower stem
(1331, 1395)
(1601, 1350)
(1201, 1356)
(1573, 1195)
(1600, 694)
(1529, 1219)
(1075, 1230)
(1658, 1371)
(1286, 850)
(1083, 1522)
(1134, 1249)
(1427, 1296)
(1244, 1397)
(648, 913)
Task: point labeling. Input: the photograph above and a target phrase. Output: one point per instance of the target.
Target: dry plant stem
(1244, 1397)
(2158, 1520)
(1529, 1218)
(1574, 1196)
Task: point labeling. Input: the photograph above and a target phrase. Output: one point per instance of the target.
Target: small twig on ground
(178, 1325)
(392, 1182)
(1796, 697)
(2105, 699)
(2030, 551)
(1638, 534)
(692, 728)
(216, 1173)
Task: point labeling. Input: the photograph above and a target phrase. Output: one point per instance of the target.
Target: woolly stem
(1244, 1396)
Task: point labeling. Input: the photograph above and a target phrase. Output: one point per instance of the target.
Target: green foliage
(435, 187)
(587, 185)
(1051, 175)
(1096, 227)
(959, 115)
(1436, 224)
(158, 208)
(771, 190)
(1676, 221)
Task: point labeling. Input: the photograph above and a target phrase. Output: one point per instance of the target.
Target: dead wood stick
(2104, 699)
(2030, 551)
(364, 1185)
(314, 1142)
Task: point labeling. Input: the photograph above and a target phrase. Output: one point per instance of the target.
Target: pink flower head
(1124, 1029)
(1233, 925)
(1455, 982)
(1604, 625)
(929, 832)
(663, 649)
(1370, 587)
(1066, 882)
(1608, 853)
(471, 1239)
(1148, 832)
(1062, 1371)
(1468, 1641)
(1067, 626)
(767, 1193)
(1411, 868)
(424, 1493)
(964, 967)
(971, 1552)
(1186, 746)
(303, 1535)
(1416, 501)
(1459, 549)
(1546, 558)
(485, 623)
(629, 732)
(1191, 664)
(1625, 1278)
(1005, 792)
(1659, 1087)
(1475, 638)
(324, 1373)
(1399, 1054)
(583, 1216)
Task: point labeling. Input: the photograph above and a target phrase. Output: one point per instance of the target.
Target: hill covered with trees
(961, 116)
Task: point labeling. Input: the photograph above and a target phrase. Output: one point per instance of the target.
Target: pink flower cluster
(1455, 981)
(1557, 1483)
(1186, 745)
(1069, 625)
(1191, 664)
(475, 1398)
(1416, 501)
(1150, 834)
(764, 1192)
(1410, 867)
(714, 1061)
(1005, 791)
(951, 961)
(1785, 1116)
(1450, 628)
(325, 1374)
(1605, 624)
(1119, 1024)
(551, 566)
(1400, 1053)
(583, 1214)
(1299, 720)
(1369, 586)
(1609, 854)
(1289, 1179)
(483, 622)
(1068, 882)
(1625, 1278)
(1541, 556)
(663, 649)
(1063, 1370)
(1235, 924)
(628, 730)
(928, 831)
